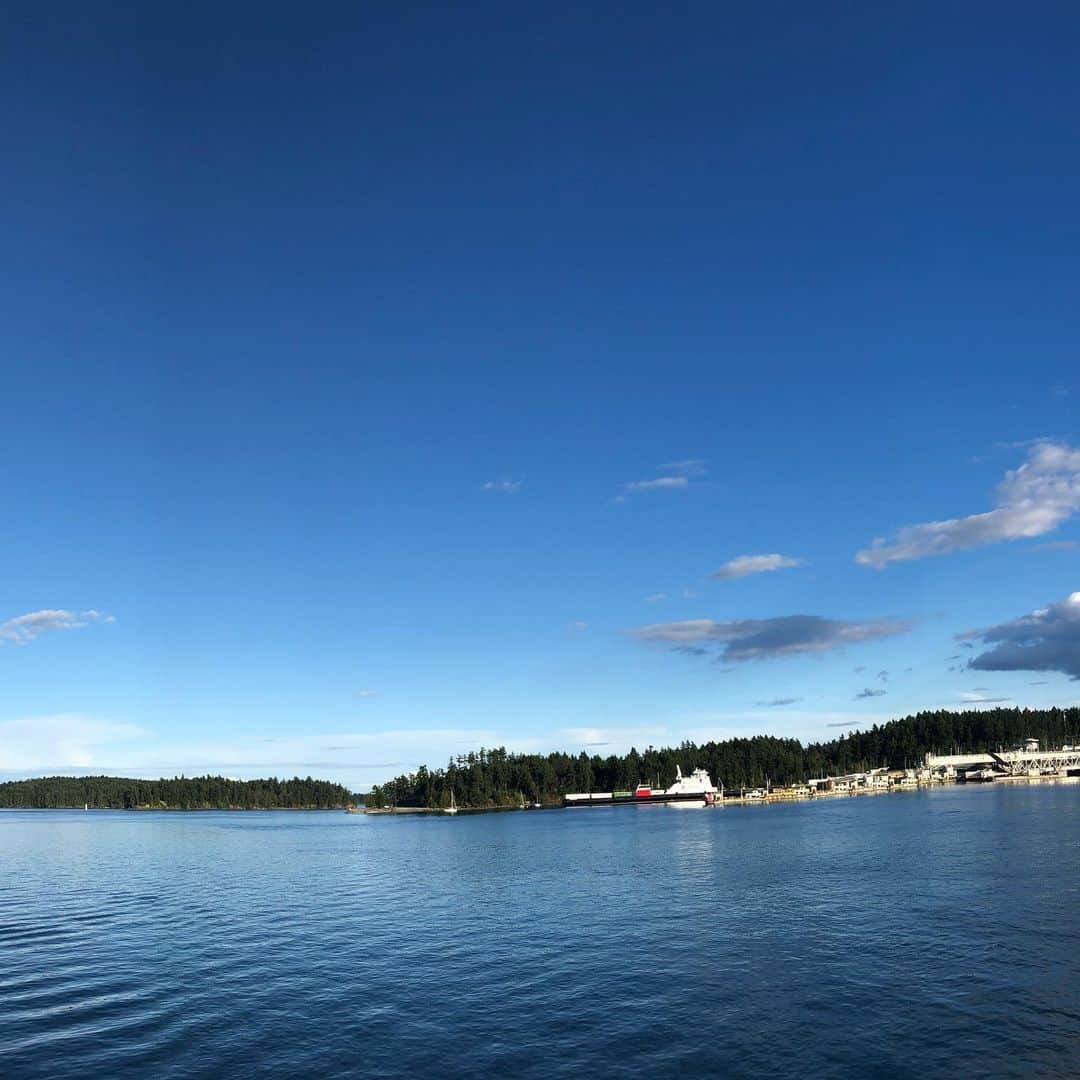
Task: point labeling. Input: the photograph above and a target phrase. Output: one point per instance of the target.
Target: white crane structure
(1029, 761)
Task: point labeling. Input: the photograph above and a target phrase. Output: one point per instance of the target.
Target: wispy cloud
(777, 703)
(745, 565)
(869, 692)
(578, 626)
(658, 483)
(673, 476)
(979, 699)
(1031, 501)
(656, 596)
(1045, 640)
(367, 693)
(503, 487)
(738, 640)
(24, 628)
(687, 467)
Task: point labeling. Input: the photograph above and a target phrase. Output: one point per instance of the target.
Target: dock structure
(1029, 761)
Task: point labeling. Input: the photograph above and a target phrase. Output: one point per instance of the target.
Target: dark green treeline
(181, 793)
(496, 778)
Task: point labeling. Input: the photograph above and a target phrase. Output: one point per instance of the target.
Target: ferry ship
(695, 788)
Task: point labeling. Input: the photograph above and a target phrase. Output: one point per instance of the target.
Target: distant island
(495, 778)
(179, 793)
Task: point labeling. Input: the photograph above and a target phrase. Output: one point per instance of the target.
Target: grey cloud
(1031, 501)
(1045, 640)
(739, 640)
(777, 703)
(869, 692)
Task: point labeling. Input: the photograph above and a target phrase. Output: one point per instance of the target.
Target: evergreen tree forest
(494, 778)
(180, 793)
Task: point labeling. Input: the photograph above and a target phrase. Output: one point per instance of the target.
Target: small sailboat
(86, 806)
(452, 808)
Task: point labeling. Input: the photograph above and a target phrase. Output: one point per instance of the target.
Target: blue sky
(383, 381)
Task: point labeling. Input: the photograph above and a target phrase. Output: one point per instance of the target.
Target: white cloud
(24, 628)
(673, 476)
(504, 487)
(1032, 500)
(74, 743)
(745, 565)
(656, 596)
(765, 639)
(367, 693)
(61, 740)
(659, 482)
(578, 626)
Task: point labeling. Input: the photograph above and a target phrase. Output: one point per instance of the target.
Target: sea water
(934, 932)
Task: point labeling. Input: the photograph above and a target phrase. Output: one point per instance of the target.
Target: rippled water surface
(923, 933)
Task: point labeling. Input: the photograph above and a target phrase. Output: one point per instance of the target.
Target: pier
(1028, 761)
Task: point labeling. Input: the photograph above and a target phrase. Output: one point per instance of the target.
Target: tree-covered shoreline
(493, 778)
(178, 793)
